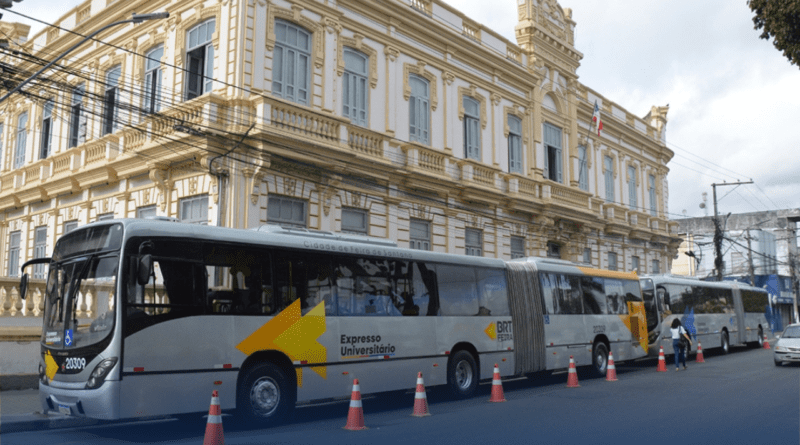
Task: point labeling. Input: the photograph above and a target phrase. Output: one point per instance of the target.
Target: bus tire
(266, 395)
(725, 342)
(462, 374)
(760, 337)
(600, 358)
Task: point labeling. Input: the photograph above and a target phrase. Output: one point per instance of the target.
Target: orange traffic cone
(611, 372)
(662, 363)
(766, 342)
(214, 434)
(497, 386)
(699, 358)
(420, 400)
(355, 417)
(572, 378)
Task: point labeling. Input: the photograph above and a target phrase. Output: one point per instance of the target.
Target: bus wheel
(760, 337)
(726, 345)
(600, 358)
(462, 374)
(265, 395)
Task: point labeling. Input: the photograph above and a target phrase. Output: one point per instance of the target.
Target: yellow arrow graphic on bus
(51, 367)
(293, 334)
(491, 331)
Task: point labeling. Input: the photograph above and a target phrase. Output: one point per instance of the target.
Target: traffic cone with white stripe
(355, 417)
(214, 435)
(572, 376)
(662, 363)
(420, 399)
(766, 342)
(497, 386)
(611, 372)
(699, 358)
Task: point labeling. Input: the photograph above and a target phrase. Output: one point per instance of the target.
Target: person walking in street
(679, 335)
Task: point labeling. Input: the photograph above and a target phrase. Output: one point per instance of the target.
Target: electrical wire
(451, 169)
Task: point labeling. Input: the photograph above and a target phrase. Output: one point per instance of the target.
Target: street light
(135, 18)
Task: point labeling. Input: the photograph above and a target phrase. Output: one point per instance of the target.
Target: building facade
(758, 248)
(401, 119)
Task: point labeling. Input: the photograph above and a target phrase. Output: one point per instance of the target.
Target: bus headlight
(42, 376)
(100, 371)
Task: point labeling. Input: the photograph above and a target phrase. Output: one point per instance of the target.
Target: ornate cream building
(400, 119)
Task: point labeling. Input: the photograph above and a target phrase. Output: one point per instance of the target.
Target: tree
(779, 19)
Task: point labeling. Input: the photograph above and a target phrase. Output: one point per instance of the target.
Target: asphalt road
(737, 398)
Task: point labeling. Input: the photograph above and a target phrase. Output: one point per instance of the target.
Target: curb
(12, 382)
(13, 423)
(21, 333)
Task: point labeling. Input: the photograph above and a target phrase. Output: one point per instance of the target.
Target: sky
(732, 96)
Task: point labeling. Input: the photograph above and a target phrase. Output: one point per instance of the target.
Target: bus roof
(309, 240)
(694, 281)
(564, 266)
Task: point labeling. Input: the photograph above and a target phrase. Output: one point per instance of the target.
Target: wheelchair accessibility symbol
(68, 338)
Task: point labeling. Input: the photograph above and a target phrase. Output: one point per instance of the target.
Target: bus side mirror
(23, 286)
(144, 268)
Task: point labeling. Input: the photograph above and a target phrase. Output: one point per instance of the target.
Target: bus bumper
(101, 403)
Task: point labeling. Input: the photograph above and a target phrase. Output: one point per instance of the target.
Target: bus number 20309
(75, 363)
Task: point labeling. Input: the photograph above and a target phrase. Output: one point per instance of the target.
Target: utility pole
(135, 18)
(718, 230)
(750, 260)
(794, 285)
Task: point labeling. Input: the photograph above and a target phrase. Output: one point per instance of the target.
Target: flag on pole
(596, 118)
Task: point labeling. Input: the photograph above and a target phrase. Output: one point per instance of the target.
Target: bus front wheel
(265, 395)
(462, 374)
(600, 358)
(725, 343)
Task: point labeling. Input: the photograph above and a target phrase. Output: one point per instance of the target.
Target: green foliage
(779, 20)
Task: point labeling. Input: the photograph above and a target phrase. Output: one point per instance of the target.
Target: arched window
(111, 99)
(472, 128)
(419, 110)
(552, 153)
(355, 102)
(634, 202)
(152, 80)
(22, 140)
(514, 144)
(291, 66)
(608, 164)
(200, 59)
(77, 118)
(47, 129)
(583, 168)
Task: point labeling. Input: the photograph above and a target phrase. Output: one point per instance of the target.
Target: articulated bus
(718, 314)
(275, 317)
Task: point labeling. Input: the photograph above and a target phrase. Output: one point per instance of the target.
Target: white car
(787, 348)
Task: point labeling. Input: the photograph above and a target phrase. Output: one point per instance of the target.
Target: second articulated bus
(718, 314)
(277, 317)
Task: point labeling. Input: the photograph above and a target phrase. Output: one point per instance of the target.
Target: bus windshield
(80, 293)
(650, 304)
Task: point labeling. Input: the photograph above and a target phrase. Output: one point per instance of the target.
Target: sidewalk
(19, 352)
(20, 410)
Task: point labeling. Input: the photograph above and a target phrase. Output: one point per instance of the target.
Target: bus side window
(727, 295)
(550, 292)
(663, 298)
(458, 293)
(492, 292)
(570, 298)
(615, 293)
(305, 278)
(420, 296)
(594, 296)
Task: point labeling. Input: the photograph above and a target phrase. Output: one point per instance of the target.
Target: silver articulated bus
(717, 313)
(147, 317)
